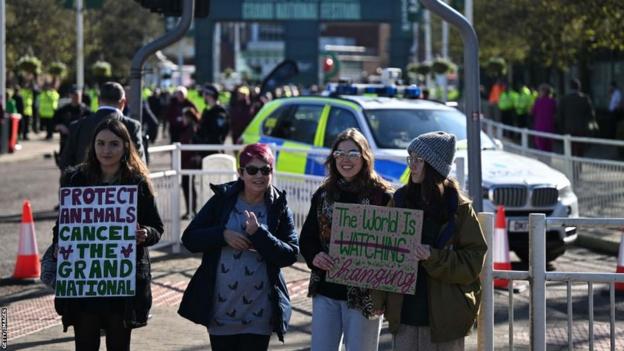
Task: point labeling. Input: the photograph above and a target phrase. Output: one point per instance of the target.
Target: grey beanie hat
(436, 148)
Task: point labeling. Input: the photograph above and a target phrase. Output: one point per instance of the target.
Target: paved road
(34, 325)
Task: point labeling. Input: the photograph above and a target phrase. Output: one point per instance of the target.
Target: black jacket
(81, 135)
(69, 113)
(277, 244)
(574, 113)
(135, 308)
(213, 126)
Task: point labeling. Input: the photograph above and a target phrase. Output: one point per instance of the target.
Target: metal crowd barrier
(598, 183)
(537, 276)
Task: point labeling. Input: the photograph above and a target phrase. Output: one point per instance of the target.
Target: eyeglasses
(411, 160)
(252, 170)
(351, 155)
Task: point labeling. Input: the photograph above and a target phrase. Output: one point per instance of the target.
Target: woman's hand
(251, 222)
(141, 235)
(422, 252)
(235, 240)
(323, 261)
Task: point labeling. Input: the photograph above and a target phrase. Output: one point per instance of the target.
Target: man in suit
(112, 101)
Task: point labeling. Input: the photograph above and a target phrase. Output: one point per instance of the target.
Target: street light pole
(136, 68)
(79, 46)
(472, 102)
(2, 54)
(468, 10)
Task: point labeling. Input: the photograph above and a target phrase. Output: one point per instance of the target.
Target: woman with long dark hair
(246, 234)
(113, 160)
(451, 253)
(340, 312)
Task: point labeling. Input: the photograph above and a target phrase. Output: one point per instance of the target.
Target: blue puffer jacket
(277, 244)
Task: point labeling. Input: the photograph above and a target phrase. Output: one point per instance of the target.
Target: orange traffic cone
(501, 248)
(27, 265)
(619, 287)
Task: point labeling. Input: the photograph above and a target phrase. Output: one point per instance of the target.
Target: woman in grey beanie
(444, 307)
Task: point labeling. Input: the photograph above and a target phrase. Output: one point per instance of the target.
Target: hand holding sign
(141, 235)
(251, 222)
(422, 252)
(323, 261)
(235, 240)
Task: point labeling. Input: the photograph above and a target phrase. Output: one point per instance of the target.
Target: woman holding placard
(246, 234)
(338, 309)
(112, 160)
(443, 309)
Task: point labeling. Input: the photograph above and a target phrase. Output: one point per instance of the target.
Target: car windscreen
(395, 128)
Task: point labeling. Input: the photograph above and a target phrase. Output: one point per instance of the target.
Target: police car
(521, 184)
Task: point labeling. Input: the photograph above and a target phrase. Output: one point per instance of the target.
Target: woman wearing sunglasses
(246, 234)
(341, 312)
(452, 251)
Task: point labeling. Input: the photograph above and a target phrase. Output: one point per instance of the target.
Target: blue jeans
(331, 319)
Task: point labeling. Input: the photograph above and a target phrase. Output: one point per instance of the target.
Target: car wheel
(554, 249)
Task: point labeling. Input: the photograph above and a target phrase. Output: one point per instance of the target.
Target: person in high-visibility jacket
(522, 105)
(48, 102)
(92, 97)
(195, 96)
(506, 102)
(27, 95)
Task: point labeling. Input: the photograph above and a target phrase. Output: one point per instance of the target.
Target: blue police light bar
(407, 92)
(347, 89)
(412, 92)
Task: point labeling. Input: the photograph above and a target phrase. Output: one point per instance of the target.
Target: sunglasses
(252, 170)
(351, 155)
(412, 160)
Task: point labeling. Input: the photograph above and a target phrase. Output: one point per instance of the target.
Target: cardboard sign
(373, 247)
(97, 242)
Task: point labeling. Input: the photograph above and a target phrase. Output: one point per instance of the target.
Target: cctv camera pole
(472, 107)
(136, 69)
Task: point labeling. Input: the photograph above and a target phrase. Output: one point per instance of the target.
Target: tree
(117, 31)
(47, 30)
(554, 33)
(38, 28)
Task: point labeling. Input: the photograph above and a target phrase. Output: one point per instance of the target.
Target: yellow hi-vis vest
(93, 95)
(27, 98)
(48, 102)
(524, 102)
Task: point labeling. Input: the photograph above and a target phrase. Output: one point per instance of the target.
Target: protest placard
(373, 247)
(96, 241)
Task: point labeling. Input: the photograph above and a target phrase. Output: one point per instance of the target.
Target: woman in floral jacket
(338, 309)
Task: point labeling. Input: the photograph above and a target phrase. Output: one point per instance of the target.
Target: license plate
(518, 225)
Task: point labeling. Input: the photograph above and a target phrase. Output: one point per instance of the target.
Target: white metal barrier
(598, 183)
(537, 276)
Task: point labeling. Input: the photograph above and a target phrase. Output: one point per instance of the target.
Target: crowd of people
(48, 109)
(246, 235)
(572, 113)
